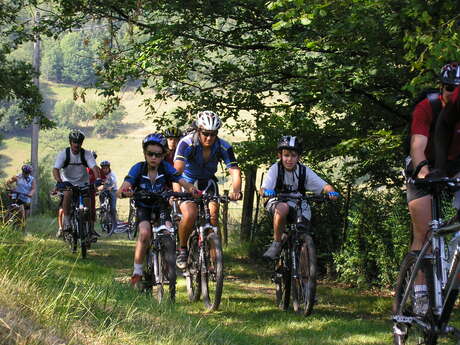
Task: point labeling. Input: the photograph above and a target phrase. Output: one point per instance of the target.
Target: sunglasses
(450, 87)
(155, 154)
(209, 134)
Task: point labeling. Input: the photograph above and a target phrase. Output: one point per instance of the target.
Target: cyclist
(197, 156)
(25, 187)
(150, 175)
(173, 135)
(70, 170)
(422, 153)
(110, 184)
(289, 176)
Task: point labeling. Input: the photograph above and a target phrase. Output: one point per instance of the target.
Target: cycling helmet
(94, 154)
(154, 138)
(173, 132)
(76, 136)
(26, 169)
(105, 164)
(290, 142)
(450, 74)
(208, 120)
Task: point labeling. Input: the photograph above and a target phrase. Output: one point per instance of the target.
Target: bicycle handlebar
(448, 181)
(314, 198)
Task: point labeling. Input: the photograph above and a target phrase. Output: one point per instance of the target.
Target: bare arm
(125, 190)
(235, 173)
(418, 145)
(96, 172)
(12, 180)
(328, 189)
(443, 134)
(32, 191)
(57, 175)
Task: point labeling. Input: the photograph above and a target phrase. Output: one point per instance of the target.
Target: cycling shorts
(271, 204)
(150, 214)
(26, 204)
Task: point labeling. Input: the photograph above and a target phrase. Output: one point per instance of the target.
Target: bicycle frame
(446, 279)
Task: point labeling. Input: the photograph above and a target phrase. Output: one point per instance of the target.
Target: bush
(67, 113)
(109, 126)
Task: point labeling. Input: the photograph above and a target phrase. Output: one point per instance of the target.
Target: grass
(90, 301)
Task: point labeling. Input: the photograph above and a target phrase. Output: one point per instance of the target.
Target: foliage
(109, 125)
(68, 113)
(11, 116)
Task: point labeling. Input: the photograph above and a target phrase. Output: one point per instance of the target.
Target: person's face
(207, 138)
(289, 159)
(153, 155)
(75, 146)
(172, 143)
(106, 169)
(447, 91)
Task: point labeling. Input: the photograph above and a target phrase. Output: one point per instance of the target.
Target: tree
(67, 113)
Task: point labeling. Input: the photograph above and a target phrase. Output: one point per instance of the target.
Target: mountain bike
(412, 325)
(160, 261)
(15, 211)
(105, 212)
(295, 269)
(79, 235)
(204, 272)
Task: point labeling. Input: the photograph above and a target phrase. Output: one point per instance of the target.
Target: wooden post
(225, 220)
(248, 203)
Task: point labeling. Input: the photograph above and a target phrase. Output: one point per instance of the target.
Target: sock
(138, 269)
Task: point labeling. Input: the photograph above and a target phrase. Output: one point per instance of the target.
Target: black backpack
(67, 158)
(436, 106)
(280, 178)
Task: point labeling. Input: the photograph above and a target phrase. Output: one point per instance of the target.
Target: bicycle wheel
(408, 334)
(167, 264)
(192, 270)
(72, 237)
(212, 272)
(282, 279)
(303, 285)
(83, 235)
(131, 224)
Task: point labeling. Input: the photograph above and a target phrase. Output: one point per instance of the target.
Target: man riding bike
(25, 188)
(422, 153)
(150, 175)
(196, 158)
(70, 170)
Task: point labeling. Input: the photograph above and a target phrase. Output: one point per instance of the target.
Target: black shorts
(26, 204)
(210, 186)
(150, 214)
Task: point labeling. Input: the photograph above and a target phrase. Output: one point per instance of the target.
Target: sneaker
(273, 251)
(421, 304)
(181, 260)
(136, 281)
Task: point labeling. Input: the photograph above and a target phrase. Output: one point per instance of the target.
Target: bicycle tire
(131, 224)
(73, 237)
(83, 232)
(168, 265)
(212, 272)
(406, 334)
(283, 279)
(303, 287)
(192, 270)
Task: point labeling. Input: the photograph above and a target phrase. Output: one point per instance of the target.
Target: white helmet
(208, 120)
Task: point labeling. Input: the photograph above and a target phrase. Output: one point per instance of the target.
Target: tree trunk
(248, 203)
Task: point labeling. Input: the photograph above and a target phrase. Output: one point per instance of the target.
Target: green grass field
(90, 301)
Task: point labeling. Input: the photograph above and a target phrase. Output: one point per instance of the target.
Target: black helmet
(105, 163)
(154, 138)
(290, 142)
(450, 74)
(76, 136)
(26, 169)
(173, 132)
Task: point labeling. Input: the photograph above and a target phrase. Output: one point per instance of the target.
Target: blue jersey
(190, 150)
(139, 179)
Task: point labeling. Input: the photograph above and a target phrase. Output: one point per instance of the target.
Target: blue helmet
(154, 138)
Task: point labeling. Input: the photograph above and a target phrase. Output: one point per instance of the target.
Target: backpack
(436, 106)
(280, 178)
(67, 158)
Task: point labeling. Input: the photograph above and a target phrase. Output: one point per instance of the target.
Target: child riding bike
(290, 176)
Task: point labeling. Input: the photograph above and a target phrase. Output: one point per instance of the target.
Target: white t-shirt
(111, 181)
(75, 172)
(313, 182)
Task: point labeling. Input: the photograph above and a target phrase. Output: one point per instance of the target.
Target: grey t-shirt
(313, 183)
(75, 172)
